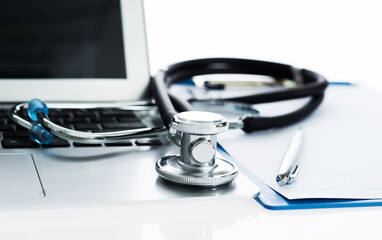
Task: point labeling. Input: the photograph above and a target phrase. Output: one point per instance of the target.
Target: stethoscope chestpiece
(197, 164)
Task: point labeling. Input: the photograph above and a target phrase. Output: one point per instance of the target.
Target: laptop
(79, 53)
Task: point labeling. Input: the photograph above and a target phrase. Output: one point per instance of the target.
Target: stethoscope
(195, 132)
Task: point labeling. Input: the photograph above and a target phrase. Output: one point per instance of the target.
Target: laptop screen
(61, 39)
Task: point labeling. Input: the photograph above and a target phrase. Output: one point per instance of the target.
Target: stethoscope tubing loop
(311, 85)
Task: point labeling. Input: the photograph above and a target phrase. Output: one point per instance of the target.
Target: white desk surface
(180, 30)
(191, 219)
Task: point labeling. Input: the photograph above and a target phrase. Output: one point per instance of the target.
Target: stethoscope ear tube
(162, 98)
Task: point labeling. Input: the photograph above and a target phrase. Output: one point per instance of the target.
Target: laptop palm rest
(19, 179)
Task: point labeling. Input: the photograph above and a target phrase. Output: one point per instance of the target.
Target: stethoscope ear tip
(40, 135)
(35, 106)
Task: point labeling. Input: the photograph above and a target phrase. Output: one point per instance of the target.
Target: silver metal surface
(89, 137)
(14, 115)
(102, 137)
(198, 122)
(188, 148)
(235, 124)
(106, 137)
(91, 176)
(290, 165)
(197, 132)
(197, 164)
(202, 150)
(171, 168)
(19, 178)
(105, 175)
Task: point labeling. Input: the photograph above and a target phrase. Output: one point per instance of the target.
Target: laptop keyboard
(89, 120)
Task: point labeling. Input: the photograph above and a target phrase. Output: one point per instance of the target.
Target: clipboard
(272, 200)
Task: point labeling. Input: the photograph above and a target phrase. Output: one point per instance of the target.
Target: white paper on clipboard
(341, 156)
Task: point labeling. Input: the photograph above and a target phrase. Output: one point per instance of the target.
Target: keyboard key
(102, 119)
(123, 126)
(59, 114)
(115, 113)
(7, 127)
(18, 134)
(77, 144)
(3, 113)
(76, 120)
(117, 144)
(84, 113)
(57, 142)
(20, 128)
(148, 142)
(67, 110)
(86, 126)
(56, 120)
(128, 119)
(18, 143)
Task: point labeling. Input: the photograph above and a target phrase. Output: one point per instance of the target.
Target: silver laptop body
(79, 53)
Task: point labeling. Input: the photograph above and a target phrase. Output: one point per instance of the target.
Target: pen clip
(293, 174)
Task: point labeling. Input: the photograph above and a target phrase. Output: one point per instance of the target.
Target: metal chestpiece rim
(198, 122)
(170, 169)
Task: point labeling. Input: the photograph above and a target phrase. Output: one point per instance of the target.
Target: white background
(340, 39)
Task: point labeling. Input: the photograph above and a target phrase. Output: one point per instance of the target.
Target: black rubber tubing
(313, 85)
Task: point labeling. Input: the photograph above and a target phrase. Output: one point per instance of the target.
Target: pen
(289, 165)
